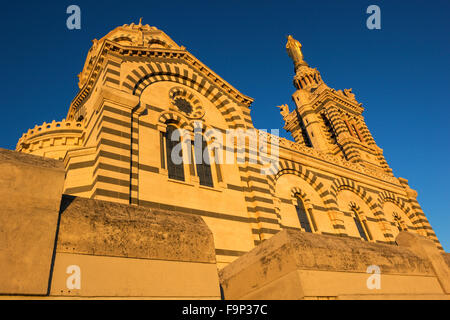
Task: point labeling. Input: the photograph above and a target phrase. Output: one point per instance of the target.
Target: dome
(128, 35)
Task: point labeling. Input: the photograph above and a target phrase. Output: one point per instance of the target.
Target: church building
(143, 99)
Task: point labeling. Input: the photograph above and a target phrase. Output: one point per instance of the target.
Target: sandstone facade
(136, 87)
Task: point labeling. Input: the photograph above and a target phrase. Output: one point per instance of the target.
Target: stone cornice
(329, 94)
(110, 46)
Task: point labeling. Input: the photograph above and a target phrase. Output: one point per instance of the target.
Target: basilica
(283, 219)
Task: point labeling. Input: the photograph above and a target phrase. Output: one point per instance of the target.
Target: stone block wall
(299, 265)
(30, 196)
(133, 252)
(55, 246)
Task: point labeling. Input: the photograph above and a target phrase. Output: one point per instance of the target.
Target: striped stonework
(146, 74)
(414, 213)
(182, 122)
(116, 155)
(289, 167)
(347, 184)
(134, 155)
(257, 195)
(114, 148)
(336, 121)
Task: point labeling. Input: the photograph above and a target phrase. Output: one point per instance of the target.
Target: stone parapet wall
(29, 160)
(304, 250)
(299, 265)
(56, 247)
(129, 251)
(30, 195)
(52, 139)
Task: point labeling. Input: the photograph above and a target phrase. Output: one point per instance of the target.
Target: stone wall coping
(29, 159)
(295, 250)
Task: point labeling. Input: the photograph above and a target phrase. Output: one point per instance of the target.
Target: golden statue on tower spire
(294, 50)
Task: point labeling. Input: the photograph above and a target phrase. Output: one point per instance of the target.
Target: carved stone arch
(372, 208)
(296, 191)
(147, 73)
(375, 207)
(361, 219)
(289, 167)
(197, 111)
(355, 206)
(347, 184)
(182, 122)
(357, 209)
(387, 196)
(125, 37)
(159, 42)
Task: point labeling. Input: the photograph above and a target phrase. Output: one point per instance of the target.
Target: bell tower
(328, 120)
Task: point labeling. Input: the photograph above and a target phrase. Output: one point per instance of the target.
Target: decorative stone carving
(186, 102)
(284, 110)
(347, 93)
(284, 143)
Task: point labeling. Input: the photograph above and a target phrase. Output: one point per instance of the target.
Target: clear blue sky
(400, 73)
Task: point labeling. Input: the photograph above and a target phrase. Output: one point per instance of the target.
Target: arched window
(353, 129)
(124, 41)
(158, 43)
(347, 124)
(358, 135)
(329, 131)
(174, 165)
(304, 132)
(202, 161)
(303, 215)
(398, 222)
(361, 226)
